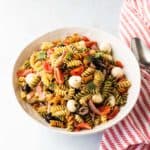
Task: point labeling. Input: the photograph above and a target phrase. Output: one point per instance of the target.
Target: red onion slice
(93, 108)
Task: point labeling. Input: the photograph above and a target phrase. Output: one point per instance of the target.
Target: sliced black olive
(83, 110)
(50, 90)
(63, 67)
(26, 88)
(77, 90)
(99, 64)
(49, 117)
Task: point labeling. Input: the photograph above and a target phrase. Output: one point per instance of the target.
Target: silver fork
(138, 48)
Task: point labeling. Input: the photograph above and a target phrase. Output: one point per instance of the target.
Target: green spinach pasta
(74, 83)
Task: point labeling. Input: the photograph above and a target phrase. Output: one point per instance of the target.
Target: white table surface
(20, 22)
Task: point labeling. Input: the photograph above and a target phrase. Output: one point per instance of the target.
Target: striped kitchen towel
(133, 132)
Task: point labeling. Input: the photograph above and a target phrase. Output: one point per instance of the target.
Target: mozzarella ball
(97, 98)
(72, 105)
(75, 81)
(105, 46)
(80, 45)
(117, 72)
(29, 78)
(112, 100)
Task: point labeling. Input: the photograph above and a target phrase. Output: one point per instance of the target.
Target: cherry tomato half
(77, 71)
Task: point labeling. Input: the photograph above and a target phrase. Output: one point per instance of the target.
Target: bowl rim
(84, 132)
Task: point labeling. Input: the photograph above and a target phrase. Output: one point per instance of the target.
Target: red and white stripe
(133, 132)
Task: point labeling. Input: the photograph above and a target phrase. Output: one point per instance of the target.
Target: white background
(20, 22)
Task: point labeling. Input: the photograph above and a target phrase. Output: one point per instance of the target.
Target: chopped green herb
(98, 55)
(91, 86)
(51, 86)
(69, 56)
(41, 55)
(89, 58)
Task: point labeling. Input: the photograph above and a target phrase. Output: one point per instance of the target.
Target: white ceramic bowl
(121, 52)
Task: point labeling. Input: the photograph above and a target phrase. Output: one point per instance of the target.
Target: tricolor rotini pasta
(73, 84)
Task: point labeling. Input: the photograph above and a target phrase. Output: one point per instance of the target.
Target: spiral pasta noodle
(46, 78)
(107, 88)
(84, 99)
(74, 63)
(78, 118)
(118, 97)
(88, 119)
(33, 59)
(86, 79)
(55, 123)
(103, 118)
(71, 93)
(97, 120)
(88, 72)
(21, 81)
(42, 109)
(55, 101)
(56, 108)
(77, 56)
(98, 78)
(38, 66)
(36, 79)
(81, 94)
(60, 113)
(122, 86)
(70, 122)
(59, 50)
(60, 92)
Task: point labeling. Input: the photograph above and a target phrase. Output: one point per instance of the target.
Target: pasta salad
(74, 83)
